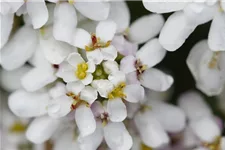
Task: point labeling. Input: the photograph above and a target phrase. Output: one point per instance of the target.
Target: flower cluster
(78, 75)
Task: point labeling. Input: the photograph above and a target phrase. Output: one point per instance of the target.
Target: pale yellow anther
(145, 147)
(42, 31)
(214, 60)
(216, 145)
(81, 71)
(71, 1)
(18, 127)
(118, 92)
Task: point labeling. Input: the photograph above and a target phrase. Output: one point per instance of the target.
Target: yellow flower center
(216, 145)
(214, 60)
(117, 92)
(18, 127)
(145, 147)
(96, 43)
(71, 1)
(81, 71)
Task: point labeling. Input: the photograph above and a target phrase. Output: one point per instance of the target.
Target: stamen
(18, 127)
(140, 68)
(145, 147)
(117, 92)
(216, 145)
(96, 43)
(214, 60)
(220, 6)
(71, 1)
(81, 71)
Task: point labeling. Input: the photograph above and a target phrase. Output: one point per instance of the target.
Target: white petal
(85, 120)
(139, 30)
(16, 52)
(95, 56)
(151, 53)
(74, 59)
(106, 30)
(97, 108)
(110, 66)
(103, 87)
(87, 24)
(65, 22)
(6, 23)
(38, 12)
(155, 79)
(81, 38)
(15, 5)
(109, 53)
(10, 80)
(89, 94)
(127, 141)
(151, 131)
(127, 64)
(194, 106)
(117, 110)
(55, 51)
(75, 87)
(164, 6)
(88, 79)
(60, 106)
(216, 38)
(67, 76)
(91, 67)
(25, 104)
(134, 93)
(132, 78)
(95, 11)
(41, 129)
(92, 142)
(206, 129)
(117, 78)
(5, 8)
(164, 112)
(51, 8)
(175, 31)
(114, 134)
(120, 14)
(37, 78)
(58, 90)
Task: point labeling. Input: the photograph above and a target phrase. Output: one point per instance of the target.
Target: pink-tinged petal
(65, 22)
(85, 120)
(117, 110)
(139, 30)
(134, 93)
(81, 38)
(97, 108)
(41, 129)
(151, 53)
(132, 78)
(127, 64)
(38, 12)
(156, 80)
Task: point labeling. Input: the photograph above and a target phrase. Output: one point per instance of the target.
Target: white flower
(98, 46)
(76, 69)
(115, 89)
(138, 68)
(115, 133)
(208, 68)
(78, 98)
(190, 14)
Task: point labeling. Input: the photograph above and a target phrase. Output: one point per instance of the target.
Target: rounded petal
(194, 106)
(75, 87)
(89, 94)
(151, 53)
(81, 38)
(164, 6)
(42, 76)
(110, 66)
(97, 108)
(6, 23)
(57, 90)
(10, 80)
(117, 77)
(41, 129)
(65, 22)
(95, 11)
(88, 79)
(95, 56)
(103, 87)
(38, 12)
(216, 38)
(25, 104)
(74, 59)
(117, 110)
(91, 67)
(120, 14)
(109, 53)
(139, 30)
(134, 93)
(85, 120)
(175, 31)
(16, 52)
(206, 129)
(156, 80)
(106, 30)
(60, 106)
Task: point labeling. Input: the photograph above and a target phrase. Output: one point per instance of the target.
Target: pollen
(144, 147)
(71, 1)
(117, 92)
(216, 145)
(18, 127)
(81, 71)
(214, 60)
(96, 43)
